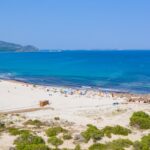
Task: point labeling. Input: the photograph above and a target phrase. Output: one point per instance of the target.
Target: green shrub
(138, 146)
(16, 131)
(34, 147)
(77, 147)
(117, 130)
(55, 141)
(92, 132)
(2, 126)
(28, 140)
(144, 144)
(55, 131)
(140, 119)
(35, 122)
(67, 136)
(98, 146)
(119, 144)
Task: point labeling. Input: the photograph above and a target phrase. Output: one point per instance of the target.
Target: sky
(76, 24)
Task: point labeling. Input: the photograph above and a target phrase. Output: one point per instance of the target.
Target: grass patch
(35, 122)
(77, 147)
(53, 131)
(55, 141)
(30, 142)
(140, 119)
(93, 133)
(119, 144)
(67, 136)
(2, 126)
(98, 146)
(34, 147)
(117, 130)
(144, 144)
(16, 131)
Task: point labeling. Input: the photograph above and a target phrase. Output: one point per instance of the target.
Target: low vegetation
(140, 119)
(117, 130)
(30, 142)
(97, 146)
(93, 133)
(16, 131)
(119, 144)
(144, 144)
(67, 136)
(77, 147)
(57, 135)
(53, 131)
(35, 122)
(2, 126)
(55, 141)
(35, 147)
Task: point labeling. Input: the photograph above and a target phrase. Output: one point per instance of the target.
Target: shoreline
(128, 95)
(117, 93)
(105, 90)
(48, 92)
(69, 108)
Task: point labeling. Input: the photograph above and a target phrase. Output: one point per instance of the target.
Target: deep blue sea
(124, 71)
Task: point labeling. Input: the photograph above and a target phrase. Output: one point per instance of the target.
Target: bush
(144, 144)
(97, 146)
(140, 119)
(119, 144)
(24, 141)
(55, 131)
(67, 136)
(55, 141)
(117, 130)
(16, 131)
(92, 132)
(35, 147)
(36, 122)
(2, 126)
(138, 146)
(78, 147)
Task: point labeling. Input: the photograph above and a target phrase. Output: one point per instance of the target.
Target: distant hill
(6, 46)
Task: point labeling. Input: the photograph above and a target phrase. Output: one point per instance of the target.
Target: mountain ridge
(13, 47)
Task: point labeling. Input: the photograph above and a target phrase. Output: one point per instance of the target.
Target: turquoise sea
(122, 71)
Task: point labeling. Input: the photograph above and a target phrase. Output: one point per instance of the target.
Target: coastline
(47, 92)
(83, 87)
(118, 93)
(75, 108)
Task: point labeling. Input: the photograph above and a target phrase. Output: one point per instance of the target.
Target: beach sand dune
(76, 107)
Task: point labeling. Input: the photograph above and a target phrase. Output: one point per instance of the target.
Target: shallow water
(126, 71)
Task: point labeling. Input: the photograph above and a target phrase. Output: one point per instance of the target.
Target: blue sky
(76, 24)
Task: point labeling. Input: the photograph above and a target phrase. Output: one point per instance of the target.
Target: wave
(7, 75)
(134, 87)
(50, 51)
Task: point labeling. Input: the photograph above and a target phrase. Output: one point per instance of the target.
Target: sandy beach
(75, 108)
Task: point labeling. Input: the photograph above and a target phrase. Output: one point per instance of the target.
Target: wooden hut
(43, 103)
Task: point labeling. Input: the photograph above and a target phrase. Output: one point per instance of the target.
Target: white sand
(16, 96)
(91, 108)
(81, 109)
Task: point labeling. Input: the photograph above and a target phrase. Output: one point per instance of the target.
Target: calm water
(127, 71)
